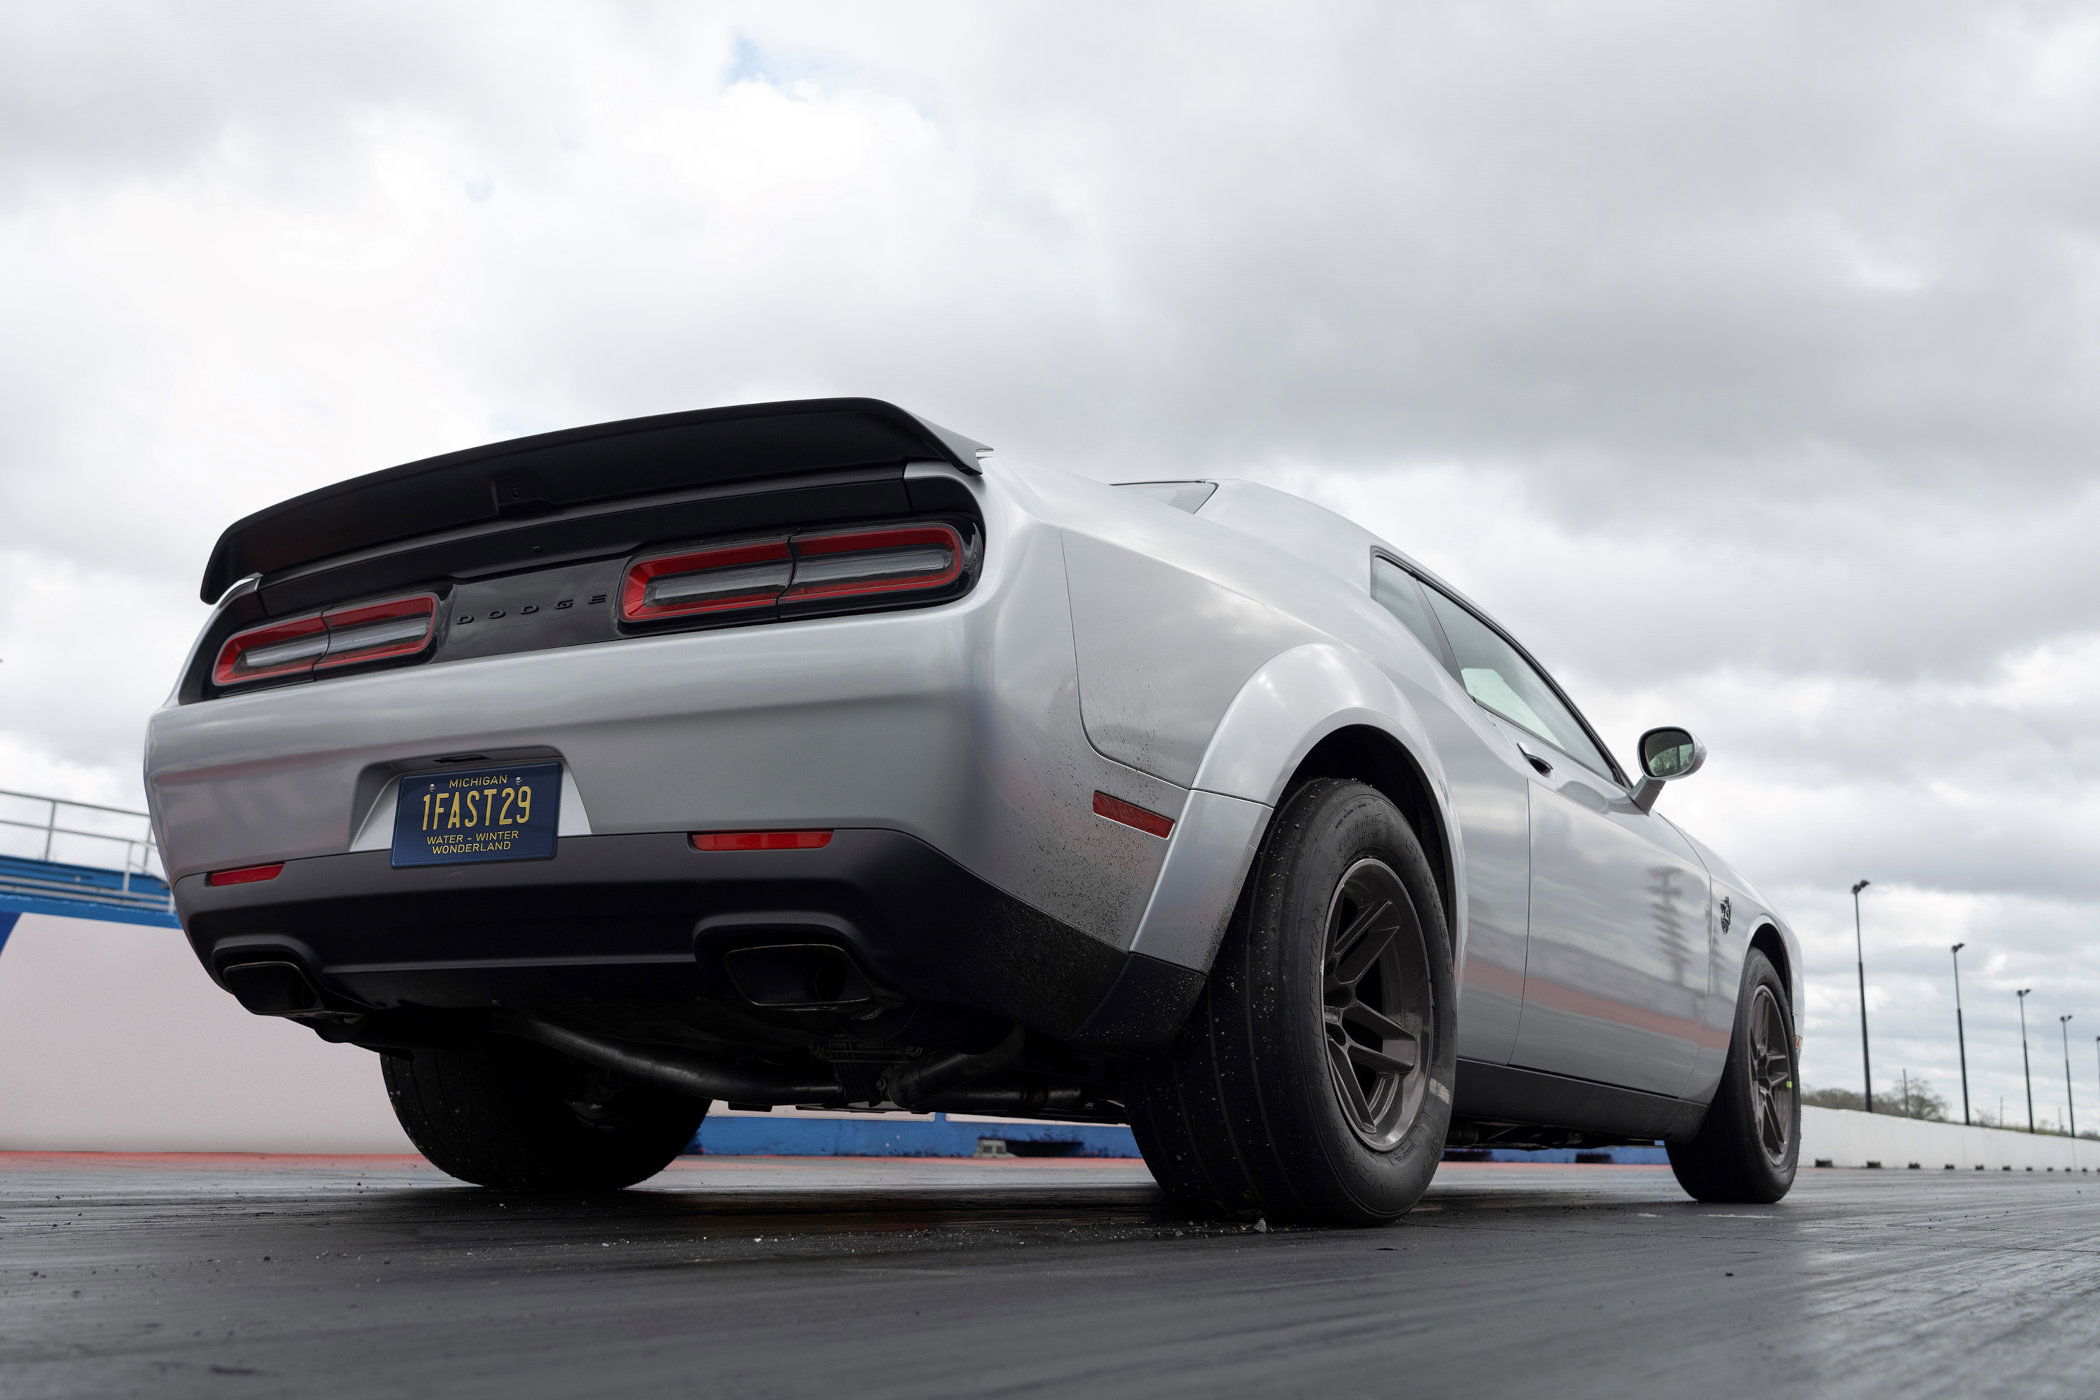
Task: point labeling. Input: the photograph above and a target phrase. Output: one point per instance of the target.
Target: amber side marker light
(1130, 814)
(759, 840)
(246, 875)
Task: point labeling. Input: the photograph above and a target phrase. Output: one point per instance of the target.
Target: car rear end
(749, 732)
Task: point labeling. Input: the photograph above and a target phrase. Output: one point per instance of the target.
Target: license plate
(476, 814)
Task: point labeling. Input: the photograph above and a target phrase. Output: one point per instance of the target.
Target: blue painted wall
(884, 1136)
(875, 1135)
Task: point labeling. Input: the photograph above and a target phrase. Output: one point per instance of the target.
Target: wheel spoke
(1771, 1073)
(1384, 1062)
(1345, 1082)
(1376, 1023)
(1771, 1130)
(1359, 945)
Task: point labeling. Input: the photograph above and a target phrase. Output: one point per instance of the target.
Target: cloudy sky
(1744, 358)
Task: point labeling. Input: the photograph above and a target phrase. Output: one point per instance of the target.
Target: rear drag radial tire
(1728, 1160)
(515, 1117)
(1239, 1116)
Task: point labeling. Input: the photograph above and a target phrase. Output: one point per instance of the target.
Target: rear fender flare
(1285, 709)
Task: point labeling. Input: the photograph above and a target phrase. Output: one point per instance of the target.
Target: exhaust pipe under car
(678, 1070)
(939, 1082)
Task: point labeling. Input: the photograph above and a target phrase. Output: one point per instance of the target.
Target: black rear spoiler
(531, 475)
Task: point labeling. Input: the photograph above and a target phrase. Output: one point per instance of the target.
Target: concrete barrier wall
(112, 1039)
(1846, 1138)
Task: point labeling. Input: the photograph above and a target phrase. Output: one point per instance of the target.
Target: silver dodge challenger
(801, 754)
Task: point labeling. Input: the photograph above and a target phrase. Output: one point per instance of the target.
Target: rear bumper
(644, 917)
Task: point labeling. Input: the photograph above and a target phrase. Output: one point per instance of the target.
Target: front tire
(1313, 1081)
(1750, 1144)
(515, 1117)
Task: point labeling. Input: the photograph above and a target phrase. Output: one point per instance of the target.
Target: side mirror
(1666, 755)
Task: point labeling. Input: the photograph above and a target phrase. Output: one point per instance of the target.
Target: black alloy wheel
(1772, 1072)
(1377, 1004)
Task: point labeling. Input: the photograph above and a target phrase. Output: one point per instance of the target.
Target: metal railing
(63, 829)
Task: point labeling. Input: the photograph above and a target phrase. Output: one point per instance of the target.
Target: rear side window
(1394, 589)
(1497, 675)
(1182, 495)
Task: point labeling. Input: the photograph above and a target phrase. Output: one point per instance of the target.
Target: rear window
(1182, 495)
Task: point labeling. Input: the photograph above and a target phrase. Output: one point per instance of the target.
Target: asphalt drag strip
(255, 1276)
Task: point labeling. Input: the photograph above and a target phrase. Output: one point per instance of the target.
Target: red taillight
(897, 559)
(755, 575)
(320, 641)
(245, 875)
(376, 631)
(760, 840)
(280, 649)
(726, 579)
(1130, 814)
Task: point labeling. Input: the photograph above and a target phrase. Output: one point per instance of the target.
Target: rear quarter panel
(1212, 658)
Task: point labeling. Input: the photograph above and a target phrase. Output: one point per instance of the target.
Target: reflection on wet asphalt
(354, 1276)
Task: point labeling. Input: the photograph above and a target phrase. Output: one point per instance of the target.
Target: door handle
(1545, 768)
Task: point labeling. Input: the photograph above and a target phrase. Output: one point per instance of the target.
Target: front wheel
(519, 1118)
(1313, 1081)
(1750, 1144)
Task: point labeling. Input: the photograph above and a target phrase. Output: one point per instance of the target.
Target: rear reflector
(760, 840)
(245, 875)
(339, 637)
(1130, 814)
(753, 576)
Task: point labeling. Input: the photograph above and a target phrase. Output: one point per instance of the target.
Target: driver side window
(1497, 675)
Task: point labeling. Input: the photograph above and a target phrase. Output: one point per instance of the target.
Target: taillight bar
(377, 631)
(279, 649)
(323, 641)
(706, 581)
(752, 575)
(896, 560)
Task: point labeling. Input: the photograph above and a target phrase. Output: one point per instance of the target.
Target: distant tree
(1907, 1098)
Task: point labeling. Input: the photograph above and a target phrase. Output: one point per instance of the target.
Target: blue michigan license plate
(475, 814)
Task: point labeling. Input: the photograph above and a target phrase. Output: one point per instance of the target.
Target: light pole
(1859, 946)
(2070, 1103)
(2024, 1069)
(1960, 1040)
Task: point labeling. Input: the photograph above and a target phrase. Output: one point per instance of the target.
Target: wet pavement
(246, 1276)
